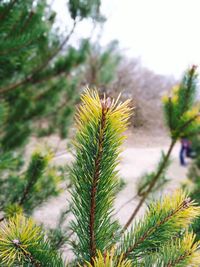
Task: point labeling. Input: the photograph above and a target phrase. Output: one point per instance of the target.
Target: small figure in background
(186, 150)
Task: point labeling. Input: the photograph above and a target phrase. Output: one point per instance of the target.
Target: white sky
(164, 34)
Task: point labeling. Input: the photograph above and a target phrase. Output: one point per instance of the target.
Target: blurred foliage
(182, 119)
(181, 111)
(39, 72)
(192, 183)
(101, 66)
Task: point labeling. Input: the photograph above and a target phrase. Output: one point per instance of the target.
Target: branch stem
(94, 185)
(151, 185)
(184, 205)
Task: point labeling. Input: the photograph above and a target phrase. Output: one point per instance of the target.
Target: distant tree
(145, 88)
(101, 66)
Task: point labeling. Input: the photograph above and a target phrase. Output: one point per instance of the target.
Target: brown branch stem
(185, 204)
(177, 261)
(95, 183)
(151, 185)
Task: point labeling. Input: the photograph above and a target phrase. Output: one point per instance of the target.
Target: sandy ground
(141, 154)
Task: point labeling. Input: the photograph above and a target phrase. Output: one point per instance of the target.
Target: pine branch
(178, 131)
(16, 25)
(107, 260)
(36, 81)
(27, 22)
(100, 126)
(34, 172)
(179, 260)
(184, 205)
(163, 222)
(187, 123)
(27, 255)
(10, 6)
(18, 48)
(189, 87)
(181, 251)
(22, 242)
(17, 235)
(31, 76)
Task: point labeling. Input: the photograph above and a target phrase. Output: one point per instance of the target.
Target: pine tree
(162, 237)
(38, 93)
(35, 77)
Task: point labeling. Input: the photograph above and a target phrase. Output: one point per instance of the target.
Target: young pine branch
(175, 107)
(35, 170)
(163, 221)
(100, 127)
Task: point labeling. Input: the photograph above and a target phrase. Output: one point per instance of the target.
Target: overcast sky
(164, 34)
